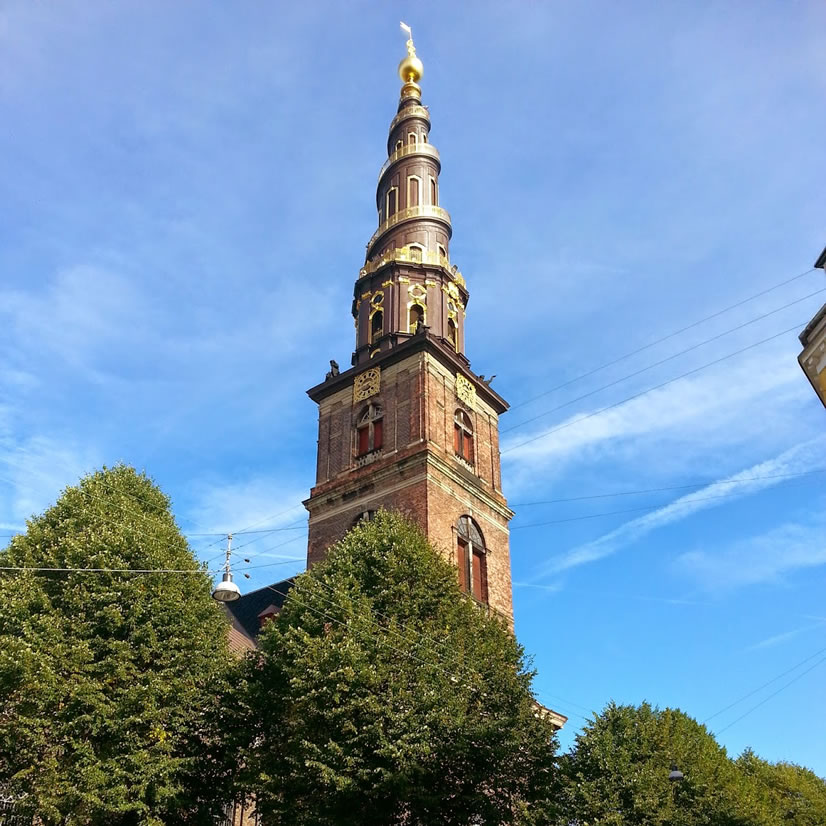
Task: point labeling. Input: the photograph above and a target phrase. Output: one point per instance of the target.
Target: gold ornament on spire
(411, 68)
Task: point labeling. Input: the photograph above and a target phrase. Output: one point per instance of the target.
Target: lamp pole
(226, 590)
(675, 777)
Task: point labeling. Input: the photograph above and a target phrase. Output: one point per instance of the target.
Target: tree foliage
(618, 772)
(381, 694)
(791, 794)
(107, 678)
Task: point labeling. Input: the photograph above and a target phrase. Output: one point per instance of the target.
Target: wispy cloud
(559, 586)
(34, 472)
(799, 459)
(768, 557)
(261, 502)
(708, 405)
(778, 639)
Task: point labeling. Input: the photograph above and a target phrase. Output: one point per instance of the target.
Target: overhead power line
(647, 508)
(663, 489)
(651, 389)
(765, 685)
(771, 696)
(657, 363)
(665, 338)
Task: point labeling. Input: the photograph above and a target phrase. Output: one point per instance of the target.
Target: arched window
(416, 252)
(451, 333)
(414, 190)
(416, 318)
(442, 250)
(434, 192)
(424, 137)
(411, 139)
(399, 144)
(471, 559)
(392, 202)
(364, 516)
(463, 436)
(369, 431)
(376, 325)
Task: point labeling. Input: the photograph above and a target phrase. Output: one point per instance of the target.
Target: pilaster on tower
(410, 427)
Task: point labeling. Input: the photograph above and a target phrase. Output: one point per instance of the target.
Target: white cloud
(799, 459)
(777, 639)
(35, 472)
(259, 502)
(757, 559)
(711, 402)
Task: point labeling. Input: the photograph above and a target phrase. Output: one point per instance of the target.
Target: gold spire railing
(412, 255)
(423, 211)
(410, 149)
(410, 112)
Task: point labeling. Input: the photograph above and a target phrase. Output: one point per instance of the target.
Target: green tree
(381, 694)
(617, 773)
(108, 679)
(793, 794)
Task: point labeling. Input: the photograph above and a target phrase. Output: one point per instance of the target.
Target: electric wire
(658, 363)
(665, 338)
(771, 696)
(650, 389)
(765, 685)
(663, 489)
(649, 508)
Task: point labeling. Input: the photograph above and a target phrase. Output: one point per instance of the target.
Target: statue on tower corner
(333, 371)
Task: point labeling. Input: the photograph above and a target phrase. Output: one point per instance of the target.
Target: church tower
(410, 427)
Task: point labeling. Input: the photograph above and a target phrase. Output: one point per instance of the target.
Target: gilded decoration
(465, 391)
(367, 384)
(410, 112)
(404, 255)
(418, 148)
(417, 292)
(421, 211)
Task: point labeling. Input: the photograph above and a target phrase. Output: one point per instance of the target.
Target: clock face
(367, 384)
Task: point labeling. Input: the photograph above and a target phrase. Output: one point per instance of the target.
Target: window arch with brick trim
(364, 516)
(463, 436)
(369, 430)
(472, 559)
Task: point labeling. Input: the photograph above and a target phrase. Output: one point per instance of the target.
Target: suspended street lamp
(226, 590)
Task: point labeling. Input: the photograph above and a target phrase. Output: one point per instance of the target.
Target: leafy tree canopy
(792, 794)
(106, 678)
(382, 694)
(618, 773)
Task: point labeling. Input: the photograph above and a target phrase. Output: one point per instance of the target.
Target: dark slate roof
(245, 610)
(821, 262)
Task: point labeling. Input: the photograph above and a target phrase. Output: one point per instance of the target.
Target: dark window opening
(370, 430)
(434, 195)
(392, 202)
(416, 318)
(376, 325)
(451, 333)
(463, 436)
(471, 559)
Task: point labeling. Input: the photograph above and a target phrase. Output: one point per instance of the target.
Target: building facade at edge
(812, 359)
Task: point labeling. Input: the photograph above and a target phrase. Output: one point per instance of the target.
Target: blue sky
(185, 194)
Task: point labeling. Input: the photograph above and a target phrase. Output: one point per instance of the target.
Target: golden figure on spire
(411, 68)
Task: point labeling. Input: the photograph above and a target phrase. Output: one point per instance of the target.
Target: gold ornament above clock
(367, 384)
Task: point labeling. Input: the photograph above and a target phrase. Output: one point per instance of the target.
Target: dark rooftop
(247, 610)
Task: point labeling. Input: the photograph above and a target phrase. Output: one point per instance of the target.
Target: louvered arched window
(463, 436)
(369, 430)
(471, 559)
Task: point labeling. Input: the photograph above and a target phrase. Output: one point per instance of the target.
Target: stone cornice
(423, 342)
